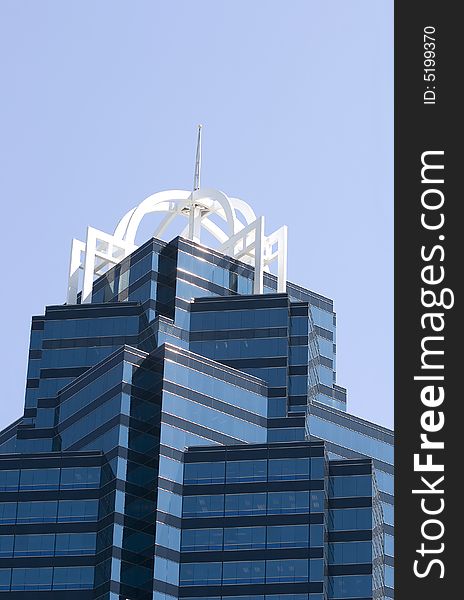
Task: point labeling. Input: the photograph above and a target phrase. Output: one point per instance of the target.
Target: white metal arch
(239, 233)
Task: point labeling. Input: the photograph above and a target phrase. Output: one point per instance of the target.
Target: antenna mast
(196, 178)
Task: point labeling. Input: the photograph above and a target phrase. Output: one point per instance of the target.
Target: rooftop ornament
(236, 229)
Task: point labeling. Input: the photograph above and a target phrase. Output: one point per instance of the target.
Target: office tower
(183, 433)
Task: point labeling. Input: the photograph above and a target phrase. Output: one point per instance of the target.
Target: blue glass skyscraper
(184, 437)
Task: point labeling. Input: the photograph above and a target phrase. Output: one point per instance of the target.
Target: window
(37, 512)
(246, 470)
(350, 552)
(204, 473)
(288, 469)
(316, 535)
(288, 502)
(288, 536)
(80, 477)
(349, 486)
(350, 586)
(32, 578)
(5, 577)
(39, 479)
(78, 510)
(6, 546)
(198, 540)
(68, 544)
(73, 578)
(286, 571)
(244, 538)
(7, 512)
(350, 519)
(245, 504)
(9, 481)
(251, 571)
(35, 545)
(200, 573)
(317, 501)
(203, 506)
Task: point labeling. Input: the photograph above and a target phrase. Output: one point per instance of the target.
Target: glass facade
(182, 434)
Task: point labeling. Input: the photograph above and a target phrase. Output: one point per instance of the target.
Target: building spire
(196, 178)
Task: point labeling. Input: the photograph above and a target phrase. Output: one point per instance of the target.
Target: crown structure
(236, 229)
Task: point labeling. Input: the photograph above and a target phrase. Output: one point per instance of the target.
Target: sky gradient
(99, 107)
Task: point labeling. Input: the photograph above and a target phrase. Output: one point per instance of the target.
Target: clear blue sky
(98, 109)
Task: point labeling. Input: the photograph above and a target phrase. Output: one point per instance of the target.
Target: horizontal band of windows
(84, 342)
(203, 284)
(209, 401)
(210, 367)
(91, 311)
(240, 302)
(212, 256)
(254, 486)
(205, 432)
(280, 450)
(252, 554)
(350, 454)
(96, 371)
(252, 589)
(342, 468)
(238, 334)
(351, 422)
(254, 520)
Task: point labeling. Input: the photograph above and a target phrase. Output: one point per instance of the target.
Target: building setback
(185, 437)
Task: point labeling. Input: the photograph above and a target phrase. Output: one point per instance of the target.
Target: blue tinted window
(78, 510)
(288, 536)
(198, 540)
(203, 506)
(39, 479)
(80, 477)
(244, 572)
(350, 518)
(350, 586)
(32, 578)
(34, 545)
(75, 543)
(317, 468)
(204, 473)
(389, 576)
(389, 545)
(5, 577)
(6, 546)
(352, 485)
(167, 536)
(244, 538)
(317, 501)
(245, 504)
(73, 578)
(169, 502)
(288, 502)
(7, 512)
(316, 535)
(200, 573)
(288, 469)
(388, 513)
(246, 470)
(9, 481)
(350, 552)
(287, 571)
(37, 512)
